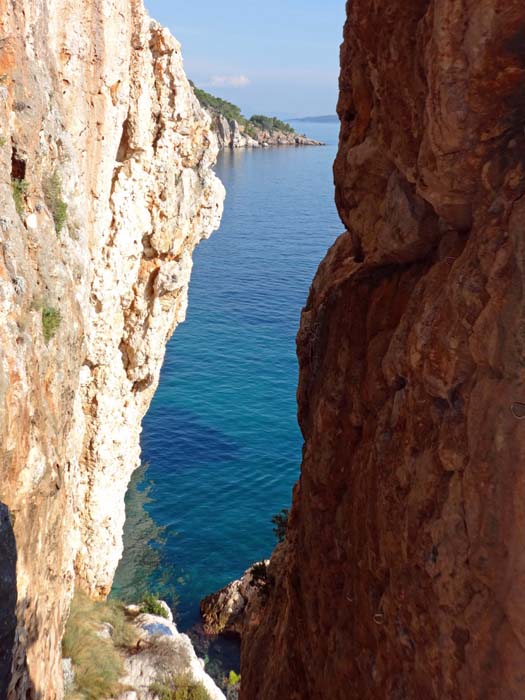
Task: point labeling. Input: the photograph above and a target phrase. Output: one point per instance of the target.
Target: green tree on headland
(230, 111)
(270, 124)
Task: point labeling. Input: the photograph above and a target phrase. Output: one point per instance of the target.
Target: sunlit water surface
(221, 437)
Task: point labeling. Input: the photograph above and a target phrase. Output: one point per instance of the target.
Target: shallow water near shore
(221, 437)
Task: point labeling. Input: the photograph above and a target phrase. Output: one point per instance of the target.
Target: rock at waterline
(223, 612)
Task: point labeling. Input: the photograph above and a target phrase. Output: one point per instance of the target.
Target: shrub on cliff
(259, 572)
(270, 124)
(173, 687)
(280, 521)
(153, 606)
(19, 188)
(230, 111)
(216, 104)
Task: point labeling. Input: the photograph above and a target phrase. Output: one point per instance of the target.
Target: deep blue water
(221, 436)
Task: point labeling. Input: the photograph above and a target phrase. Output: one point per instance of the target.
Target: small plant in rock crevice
(57, 206)
(19, 188)
(233, 686)
(280, 521)
(51, 319)
(233, 678)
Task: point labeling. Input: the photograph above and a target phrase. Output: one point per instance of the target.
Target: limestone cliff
(107, 186)
(403, 571)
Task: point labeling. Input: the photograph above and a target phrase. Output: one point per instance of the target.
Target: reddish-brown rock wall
(403, 575)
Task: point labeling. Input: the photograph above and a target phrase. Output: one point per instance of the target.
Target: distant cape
(324, 119)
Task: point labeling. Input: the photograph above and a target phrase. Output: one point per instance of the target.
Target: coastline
(231, 134)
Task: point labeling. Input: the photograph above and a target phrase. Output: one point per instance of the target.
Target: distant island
(234, 130)
(324, 119)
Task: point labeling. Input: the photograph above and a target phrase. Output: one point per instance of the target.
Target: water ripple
(221, 436)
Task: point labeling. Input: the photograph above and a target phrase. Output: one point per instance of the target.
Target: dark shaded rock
(8, 597)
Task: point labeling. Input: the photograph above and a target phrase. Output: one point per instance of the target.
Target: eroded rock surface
(224, 612)
(403, 571)
(96, 116)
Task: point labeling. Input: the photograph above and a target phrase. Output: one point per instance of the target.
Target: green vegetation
(51, 319)
(271, 124)
(280, 521)
(57, 206)
(233, 678)
(151, 605)
(19, 192)
(216, 104)
(172, 687)
(96, 661)
(3, 141)
(231, 111)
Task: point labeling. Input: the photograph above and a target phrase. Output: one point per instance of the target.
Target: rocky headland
(233, 130)
(232, 134)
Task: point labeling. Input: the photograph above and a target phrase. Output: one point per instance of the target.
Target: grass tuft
(51, 319)
(57, 206)
(173, 687)
(96, 661)
(19, 188)
(151, 605)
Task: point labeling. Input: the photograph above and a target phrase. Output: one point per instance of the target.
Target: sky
(275, 57)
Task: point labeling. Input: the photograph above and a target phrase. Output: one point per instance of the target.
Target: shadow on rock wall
(8, 597)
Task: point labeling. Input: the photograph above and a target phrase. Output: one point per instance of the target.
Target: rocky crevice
(402, 571)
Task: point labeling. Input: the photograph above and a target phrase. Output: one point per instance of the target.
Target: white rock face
(100, 99)
(164, 650)
(165, 198)
(230, 134)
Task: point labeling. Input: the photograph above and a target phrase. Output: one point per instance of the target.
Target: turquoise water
(221, 437)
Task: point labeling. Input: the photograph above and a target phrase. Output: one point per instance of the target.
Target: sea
(221, 447)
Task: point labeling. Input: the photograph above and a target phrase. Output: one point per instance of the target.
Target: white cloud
(237, 81)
